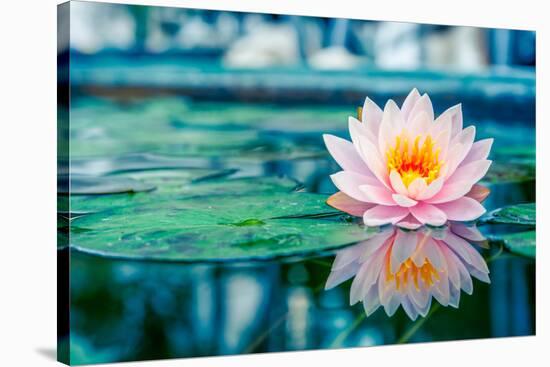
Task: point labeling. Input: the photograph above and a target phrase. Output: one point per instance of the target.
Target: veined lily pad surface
(208, 222)
(523, 218)
(522, 214)
(176, 185)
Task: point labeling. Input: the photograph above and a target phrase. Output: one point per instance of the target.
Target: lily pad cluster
(177, 127)
(187, 182)
(209, 220)
(522, 216)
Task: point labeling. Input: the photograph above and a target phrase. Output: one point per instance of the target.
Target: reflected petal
(408, 269)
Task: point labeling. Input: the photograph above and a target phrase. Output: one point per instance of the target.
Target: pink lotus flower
(405, 168)
(408, 268)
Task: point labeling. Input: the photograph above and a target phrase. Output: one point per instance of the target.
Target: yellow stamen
(408, 270)
(419, 160)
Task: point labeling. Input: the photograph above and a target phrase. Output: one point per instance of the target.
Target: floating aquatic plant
(406, 167)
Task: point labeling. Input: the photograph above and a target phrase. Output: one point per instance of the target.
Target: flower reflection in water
(399, 267)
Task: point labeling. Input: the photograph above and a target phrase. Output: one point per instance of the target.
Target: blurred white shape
(204, 309)
(267, 45)
(157, 41)
(127, 273)
(227, 26)
(459, 47)
(334, 58)
(370, 337)
(396, 45)
(195, 32)
(243, 298)
(251, 22)
(298, 323)
(94, 28)
(189, 31)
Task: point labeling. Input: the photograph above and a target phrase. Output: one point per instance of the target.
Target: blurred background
(245, 40)
(263, 57)
(254, 93)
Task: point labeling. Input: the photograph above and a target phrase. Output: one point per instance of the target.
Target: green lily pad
(232, 116)
(522, 243)
(211, 131)
(92, 185)
(217, 228)
(127, 163)
(175, 180)
(243, 185)
(523, 214)
(182, 184)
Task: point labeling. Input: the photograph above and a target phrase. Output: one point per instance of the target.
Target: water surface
(125, 310)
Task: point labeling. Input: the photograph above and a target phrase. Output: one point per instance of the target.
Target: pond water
(250, 283)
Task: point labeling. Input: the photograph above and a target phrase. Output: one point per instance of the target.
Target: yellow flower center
(409, 272)
(412, 161)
